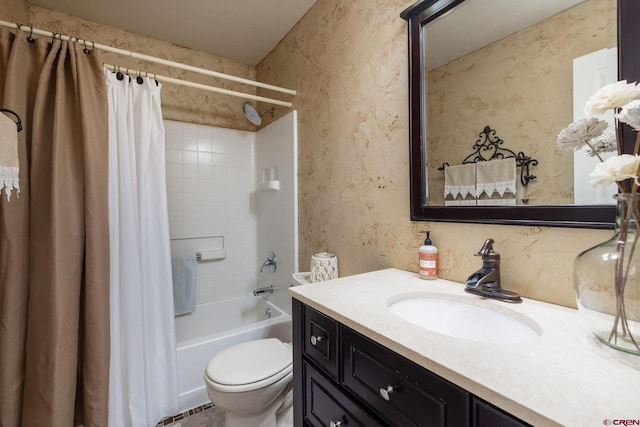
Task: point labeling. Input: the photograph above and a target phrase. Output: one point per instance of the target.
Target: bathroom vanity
(358, 363)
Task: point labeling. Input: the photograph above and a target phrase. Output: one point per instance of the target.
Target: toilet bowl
(251, 383)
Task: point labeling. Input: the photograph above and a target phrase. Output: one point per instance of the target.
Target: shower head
(251, 113)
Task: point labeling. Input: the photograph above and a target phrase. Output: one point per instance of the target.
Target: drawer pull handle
(336, 423)
(385, 392)
(315, 340)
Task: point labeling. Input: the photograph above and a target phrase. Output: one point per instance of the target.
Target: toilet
(251, 383)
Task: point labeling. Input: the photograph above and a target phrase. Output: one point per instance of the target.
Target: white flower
(617, 168)
(605, 143)
(611, 96)
(577, 134)
(630, 114)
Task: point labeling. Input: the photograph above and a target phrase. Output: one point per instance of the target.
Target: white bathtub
(211, 328)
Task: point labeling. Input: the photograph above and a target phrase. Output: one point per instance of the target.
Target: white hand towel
(460, 180)
(496, 176)
(461, 202)
(183, 270)
(498, 201)
(9, 165)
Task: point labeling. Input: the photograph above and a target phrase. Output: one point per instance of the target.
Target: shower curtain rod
(131, 72)
(90, 44)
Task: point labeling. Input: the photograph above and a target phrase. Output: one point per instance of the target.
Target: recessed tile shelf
(269, 185)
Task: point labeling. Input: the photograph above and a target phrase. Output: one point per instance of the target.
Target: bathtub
(211, 328)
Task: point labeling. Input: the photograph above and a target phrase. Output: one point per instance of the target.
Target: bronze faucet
(486, 281)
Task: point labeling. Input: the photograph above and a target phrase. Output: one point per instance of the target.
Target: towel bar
(211, 255)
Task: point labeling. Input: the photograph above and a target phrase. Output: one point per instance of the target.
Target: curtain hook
(30, 38)
(119, 74)
(139, 79)
(86, 50)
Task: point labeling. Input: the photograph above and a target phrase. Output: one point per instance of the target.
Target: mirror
(424, 161)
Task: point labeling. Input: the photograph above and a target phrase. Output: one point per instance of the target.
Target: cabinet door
(320, 341)
(399, 391)
(487, 415)
(327, 406)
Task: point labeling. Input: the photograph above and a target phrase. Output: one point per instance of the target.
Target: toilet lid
(250, 362)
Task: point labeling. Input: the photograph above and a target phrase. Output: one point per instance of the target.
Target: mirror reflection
(524, 72)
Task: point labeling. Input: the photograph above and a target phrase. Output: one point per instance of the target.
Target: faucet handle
(486, 249)
(271, 262)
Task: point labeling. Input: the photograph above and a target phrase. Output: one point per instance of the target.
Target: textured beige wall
(521, 86)
(348, 60)
(178, 102)
(14, 11)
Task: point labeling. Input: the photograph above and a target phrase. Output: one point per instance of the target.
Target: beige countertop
(564, 377)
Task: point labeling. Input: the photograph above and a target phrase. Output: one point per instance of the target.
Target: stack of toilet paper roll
(324, 266)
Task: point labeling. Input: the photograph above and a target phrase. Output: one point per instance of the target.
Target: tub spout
(266, 289)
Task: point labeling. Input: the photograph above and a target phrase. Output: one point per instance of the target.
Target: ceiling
(241, 30)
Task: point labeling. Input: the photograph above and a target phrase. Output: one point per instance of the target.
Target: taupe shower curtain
(54, 254)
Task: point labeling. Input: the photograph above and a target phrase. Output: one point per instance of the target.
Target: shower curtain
(143, 378)
(54, 237)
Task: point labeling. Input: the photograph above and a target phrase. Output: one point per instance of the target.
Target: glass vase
(607, 281)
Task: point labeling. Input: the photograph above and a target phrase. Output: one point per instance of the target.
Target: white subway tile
(174, 156)
(190, 142)
(192, 229)
(204, 144)
(218, 146)
(205, 173)
(190, 185)
(189, 171)
(174, 171)
(205, 159)
(190, 157)
(176, 229)
(219, 160)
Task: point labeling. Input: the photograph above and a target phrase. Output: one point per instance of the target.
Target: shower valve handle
(271, 262)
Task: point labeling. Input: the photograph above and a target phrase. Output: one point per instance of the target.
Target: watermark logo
(620, 422)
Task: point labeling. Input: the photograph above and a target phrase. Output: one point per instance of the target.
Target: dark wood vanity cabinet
(342, 378)
(484, 414)
(321, 341)
(327, 405)
(403, 393)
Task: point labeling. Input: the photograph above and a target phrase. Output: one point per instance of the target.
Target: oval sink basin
(462, 320)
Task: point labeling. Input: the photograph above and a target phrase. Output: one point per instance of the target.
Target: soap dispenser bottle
(428, 259)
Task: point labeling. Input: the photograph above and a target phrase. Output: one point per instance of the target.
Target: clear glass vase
(607, 281)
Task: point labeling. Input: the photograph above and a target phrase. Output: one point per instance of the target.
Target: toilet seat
(250, 366)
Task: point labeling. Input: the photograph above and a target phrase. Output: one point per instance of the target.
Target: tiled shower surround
(217, 201)
(210, 185)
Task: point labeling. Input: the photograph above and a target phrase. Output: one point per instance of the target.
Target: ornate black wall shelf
(488, 146)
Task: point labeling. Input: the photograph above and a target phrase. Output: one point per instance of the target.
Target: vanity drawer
(326, 405)
(320, 342)
(487, 415)
(398, 390)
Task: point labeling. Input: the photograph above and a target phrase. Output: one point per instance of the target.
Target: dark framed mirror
(422, 13)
